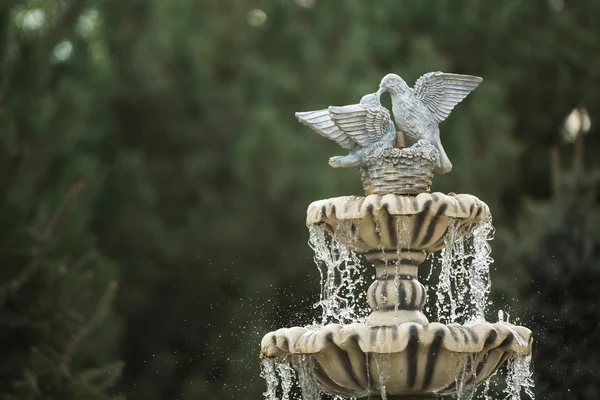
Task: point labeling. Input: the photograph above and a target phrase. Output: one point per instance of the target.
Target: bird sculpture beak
(380, 91)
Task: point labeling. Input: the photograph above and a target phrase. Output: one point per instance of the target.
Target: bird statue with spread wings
(366, 127)
(360, 128)
(419, 110)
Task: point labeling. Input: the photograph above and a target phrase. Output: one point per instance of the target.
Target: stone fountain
(396, 352)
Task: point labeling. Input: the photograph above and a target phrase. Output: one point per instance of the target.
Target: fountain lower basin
(402, 360)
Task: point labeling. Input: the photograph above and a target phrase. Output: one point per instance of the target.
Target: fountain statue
(395, 352)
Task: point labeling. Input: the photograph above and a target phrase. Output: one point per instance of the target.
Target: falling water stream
(465, 388)
(340, 300)
(519, 376)
(464, 280)
(462, 296)
(384, 364)
(287, 375)
(267, 372)
(304, 365)
(479, 277)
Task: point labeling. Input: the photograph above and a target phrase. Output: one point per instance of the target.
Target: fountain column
(396, 296)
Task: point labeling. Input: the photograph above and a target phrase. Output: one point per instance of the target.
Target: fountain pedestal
(396, 296)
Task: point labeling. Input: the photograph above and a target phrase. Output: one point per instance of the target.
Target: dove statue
(361, 128)
(419, 110)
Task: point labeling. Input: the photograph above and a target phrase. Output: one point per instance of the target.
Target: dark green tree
(55, 288)
(210, 174)
(558, 252)
(154, 141)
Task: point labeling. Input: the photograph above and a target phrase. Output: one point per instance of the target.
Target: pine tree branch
(102, 309)
(59, 216)
(47, 236)
(99, 314)
(103, 376)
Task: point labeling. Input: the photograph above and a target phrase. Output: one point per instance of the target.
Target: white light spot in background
(556, 5)
(33, 19)
(87, 22)
(577, 122)
(62, 51)
(306, 3)
(257, 17)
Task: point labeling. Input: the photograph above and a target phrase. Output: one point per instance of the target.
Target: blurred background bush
(154, 180)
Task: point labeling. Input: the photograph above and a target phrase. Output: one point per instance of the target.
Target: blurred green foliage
(558, 249)
(153, 143)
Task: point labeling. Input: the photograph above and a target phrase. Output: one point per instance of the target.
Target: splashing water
(519, 377)
(281, 377)
(519, 374)
(485, 395)
(340, 301)
(304, 365)
(501, 317)
(267, 372)
(341, 278)
(446, 308)
(287, 375)
(380, 246)
(384, 364)
(465, 381)
(368, 366)
(462, 296)
(464, 280)
(479, 280)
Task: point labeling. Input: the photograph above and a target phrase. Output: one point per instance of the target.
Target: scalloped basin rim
(394, 339)
(463, 206)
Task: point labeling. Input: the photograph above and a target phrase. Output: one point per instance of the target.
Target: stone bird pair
(417, 112)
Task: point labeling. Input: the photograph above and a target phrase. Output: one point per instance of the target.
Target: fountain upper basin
(384, 222)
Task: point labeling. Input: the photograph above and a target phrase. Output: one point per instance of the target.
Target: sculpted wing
(441, 92)
(320, 121)
(350, 126)
(365, 123)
